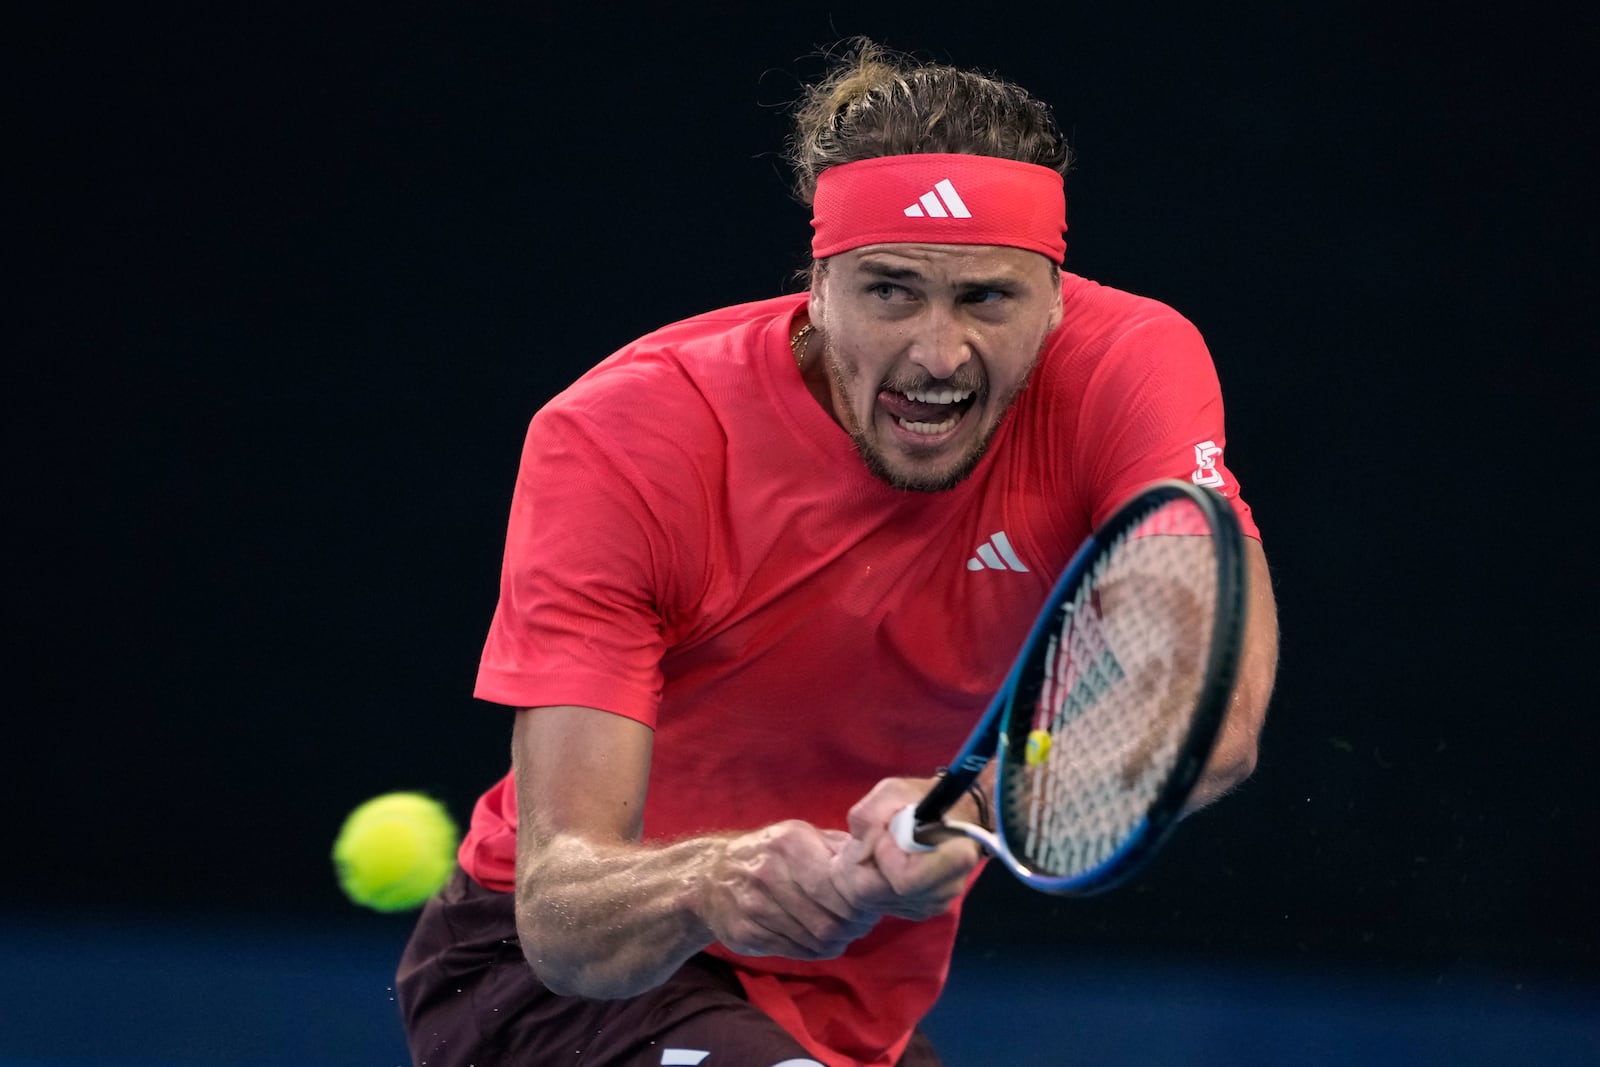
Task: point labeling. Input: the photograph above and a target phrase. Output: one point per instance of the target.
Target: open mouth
(927, 412)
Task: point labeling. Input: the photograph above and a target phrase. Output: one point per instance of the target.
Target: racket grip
(904, 828)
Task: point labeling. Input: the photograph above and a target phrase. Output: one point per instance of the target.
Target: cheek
(1013, 368)
(848, 369)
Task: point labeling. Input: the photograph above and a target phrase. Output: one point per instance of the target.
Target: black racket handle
(944, 795)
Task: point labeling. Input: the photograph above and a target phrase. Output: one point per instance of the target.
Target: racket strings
(1119, 680)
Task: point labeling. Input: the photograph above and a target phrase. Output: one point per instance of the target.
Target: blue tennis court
(139, 995)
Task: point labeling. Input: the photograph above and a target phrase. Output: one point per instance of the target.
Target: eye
(987, 296)
(886, 290)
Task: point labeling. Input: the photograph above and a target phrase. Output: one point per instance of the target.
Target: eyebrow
(884, 270)
(899, 274)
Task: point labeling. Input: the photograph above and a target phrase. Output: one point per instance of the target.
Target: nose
(940, 345)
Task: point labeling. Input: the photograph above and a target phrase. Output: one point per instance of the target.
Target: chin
(918, 478)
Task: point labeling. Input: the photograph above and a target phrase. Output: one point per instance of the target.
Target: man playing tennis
(762, 563)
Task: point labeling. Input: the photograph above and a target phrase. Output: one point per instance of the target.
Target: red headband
(939, 199)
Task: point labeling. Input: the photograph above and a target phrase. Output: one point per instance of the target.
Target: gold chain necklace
(797, 343)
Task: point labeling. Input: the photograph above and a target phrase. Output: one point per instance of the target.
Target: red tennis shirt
(695, 544)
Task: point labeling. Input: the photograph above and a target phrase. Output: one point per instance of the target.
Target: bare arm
(601, 915)
(1234, 757)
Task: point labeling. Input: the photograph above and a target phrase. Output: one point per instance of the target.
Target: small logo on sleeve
(1206, 457)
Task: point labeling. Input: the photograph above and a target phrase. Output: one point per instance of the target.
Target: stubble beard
(878, 466)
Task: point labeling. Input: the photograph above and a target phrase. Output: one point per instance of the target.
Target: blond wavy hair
(879, 103)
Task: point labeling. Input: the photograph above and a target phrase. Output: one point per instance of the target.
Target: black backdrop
(293, 284)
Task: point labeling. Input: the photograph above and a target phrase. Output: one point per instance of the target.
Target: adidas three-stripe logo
(941, 202)
(996, 554)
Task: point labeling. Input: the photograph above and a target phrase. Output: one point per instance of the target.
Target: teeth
(938, 396)
(929, 427)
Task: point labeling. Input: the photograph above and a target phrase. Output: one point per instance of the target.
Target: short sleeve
(1152, 409)
(577, 621)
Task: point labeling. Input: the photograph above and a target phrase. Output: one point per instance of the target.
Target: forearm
(600, 914)
(603, 917)
(1233, 759)
(612, 920)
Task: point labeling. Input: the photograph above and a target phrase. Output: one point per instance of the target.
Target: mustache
(973, 382)
(967, 377)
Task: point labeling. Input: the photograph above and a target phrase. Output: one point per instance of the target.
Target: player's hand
(772, 893)
(876, 874)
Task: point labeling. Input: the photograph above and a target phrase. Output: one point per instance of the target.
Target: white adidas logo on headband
(931, 206)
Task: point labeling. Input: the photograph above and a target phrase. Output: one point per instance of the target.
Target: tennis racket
(1110, 710)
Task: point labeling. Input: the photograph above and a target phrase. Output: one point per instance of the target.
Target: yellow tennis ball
(1038, 748)
(395, 851)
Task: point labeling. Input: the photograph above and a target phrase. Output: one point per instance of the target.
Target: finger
(762, 921)
(793, 895)
(873, 815)
(819, 923)
(856, 875)
(836, 839)
(927, 883)
(813, 855)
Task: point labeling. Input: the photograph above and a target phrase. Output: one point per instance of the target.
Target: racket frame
(917, 827)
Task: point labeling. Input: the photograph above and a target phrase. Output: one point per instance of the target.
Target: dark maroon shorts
(468, 996)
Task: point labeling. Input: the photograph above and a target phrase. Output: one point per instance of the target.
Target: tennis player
(764, 562)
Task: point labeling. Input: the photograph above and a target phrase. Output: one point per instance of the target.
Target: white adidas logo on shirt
(996, 554)
(941, 202)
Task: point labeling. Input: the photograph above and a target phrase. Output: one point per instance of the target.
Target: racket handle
(904, 828)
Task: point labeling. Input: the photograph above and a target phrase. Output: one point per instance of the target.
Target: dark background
(293, 283)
